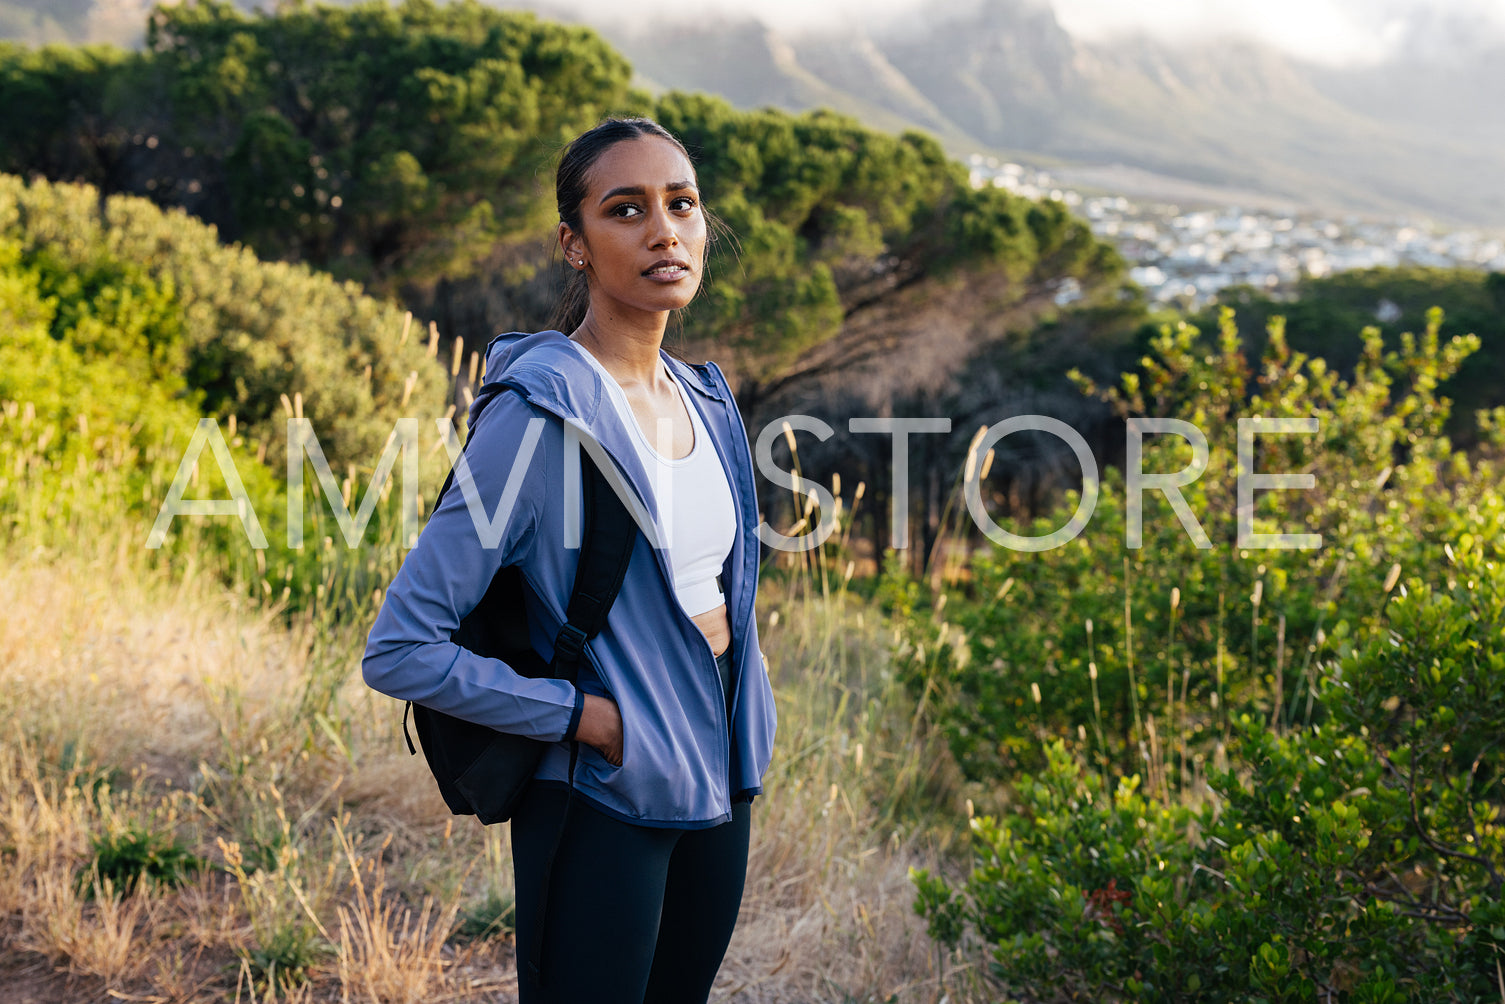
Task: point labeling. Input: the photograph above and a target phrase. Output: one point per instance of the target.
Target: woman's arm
(409, 654)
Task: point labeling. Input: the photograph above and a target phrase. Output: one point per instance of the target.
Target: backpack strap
(608, 538)
(609, 533)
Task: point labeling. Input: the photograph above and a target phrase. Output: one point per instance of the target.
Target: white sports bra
(697, 516)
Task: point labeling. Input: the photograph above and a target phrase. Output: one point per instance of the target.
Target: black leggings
(635, 914)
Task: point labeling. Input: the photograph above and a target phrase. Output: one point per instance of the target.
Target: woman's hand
(601, 727)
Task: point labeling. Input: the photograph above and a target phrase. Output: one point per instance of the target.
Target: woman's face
(641, 210)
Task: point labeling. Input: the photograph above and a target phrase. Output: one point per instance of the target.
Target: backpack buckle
(569, 644)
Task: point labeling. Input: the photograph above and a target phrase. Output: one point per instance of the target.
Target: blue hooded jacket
(681, 764)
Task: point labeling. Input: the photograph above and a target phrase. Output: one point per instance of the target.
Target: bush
(237, 333)
(1301, 810)
(1163, 644)
(1356, 861)
(127, 325)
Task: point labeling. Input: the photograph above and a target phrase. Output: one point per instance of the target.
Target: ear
(571, 243)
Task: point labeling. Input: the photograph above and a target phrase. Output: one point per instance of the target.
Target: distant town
(1184, 255)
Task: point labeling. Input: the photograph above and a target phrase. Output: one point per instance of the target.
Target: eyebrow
(673, 186)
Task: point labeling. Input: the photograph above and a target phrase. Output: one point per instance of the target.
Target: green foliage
(127, 855)
(73, 96)
(1242, 774)
(942, 908)
(80, 339)
(283, 957)
(91, 388)
(125, 325)
(400, 144)
(1174, 638)
(280, 896)
(490, 909)
(239, 332)
(493, 914)
(387, 143)
(1359, 860)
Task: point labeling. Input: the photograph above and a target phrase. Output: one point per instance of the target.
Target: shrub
(1306, 813)
(127, 325)
(1177, 640)
(236, 333)
(1356, 861)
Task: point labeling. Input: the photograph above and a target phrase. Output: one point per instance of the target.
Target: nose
(664, 230)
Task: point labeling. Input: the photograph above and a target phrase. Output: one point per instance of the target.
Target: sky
(1335, 32)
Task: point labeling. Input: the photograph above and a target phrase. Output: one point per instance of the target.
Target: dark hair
(570, 185)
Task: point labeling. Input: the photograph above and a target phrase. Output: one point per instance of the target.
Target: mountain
(1423, 133)
(36, 24)
(1448, 82)
(1002, 71)
(1237, 113)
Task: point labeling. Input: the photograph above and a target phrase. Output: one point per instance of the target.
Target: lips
(668, 266)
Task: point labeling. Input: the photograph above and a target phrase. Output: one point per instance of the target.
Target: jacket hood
(547, 370)
(551, 373)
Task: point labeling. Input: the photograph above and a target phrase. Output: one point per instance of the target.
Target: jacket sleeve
(486, 520)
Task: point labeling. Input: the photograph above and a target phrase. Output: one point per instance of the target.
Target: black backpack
(481, 771)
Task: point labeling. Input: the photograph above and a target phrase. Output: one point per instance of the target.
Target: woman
(672, 711)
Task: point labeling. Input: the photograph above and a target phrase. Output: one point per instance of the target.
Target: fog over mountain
(1328, 32)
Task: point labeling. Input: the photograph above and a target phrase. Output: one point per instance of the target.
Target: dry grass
(99, 937)
(827, 912)
(132, 673)
(173, 705)
(71, 916)
(386, 951)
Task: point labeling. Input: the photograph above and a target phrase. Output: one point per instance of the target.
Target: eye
(689, 202)
(617, 209)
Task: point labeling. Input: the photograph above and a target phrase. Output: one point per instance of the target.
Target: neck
(627, 347)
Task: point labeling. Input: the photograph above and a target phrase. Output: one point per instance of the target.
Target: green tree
(392, 144)
(400, 144)
(74, 124)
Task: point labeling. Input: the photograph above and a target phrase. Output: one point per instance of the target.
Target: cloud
(1325, 31)
(786, 15)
